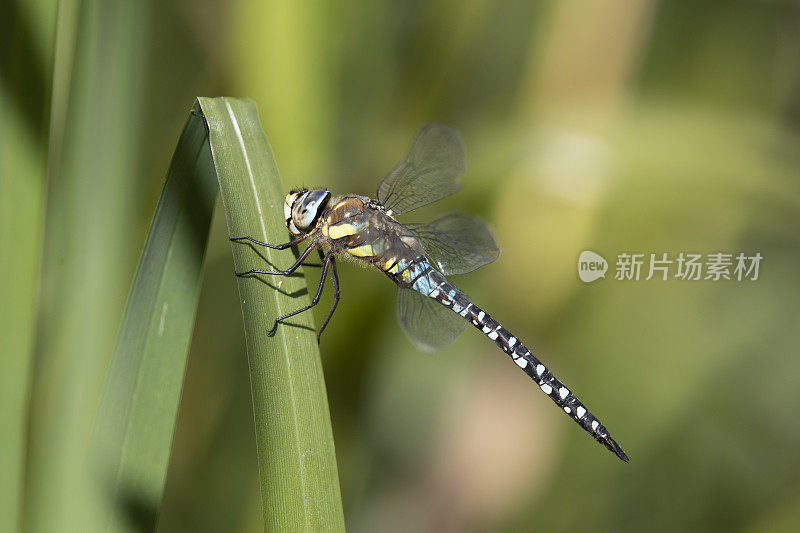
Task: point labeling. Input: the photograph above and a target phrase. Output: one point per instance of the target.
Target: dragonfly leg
(335, 275)
(273, 246)
(283, 272)
(314, 301)
(321, 260)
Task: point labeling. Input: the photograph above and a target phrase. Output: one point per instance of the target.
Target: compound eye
(304, 212)
(308, 207)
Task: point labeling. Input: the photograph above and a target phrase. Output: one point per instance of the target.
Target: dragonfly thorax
(302, 208)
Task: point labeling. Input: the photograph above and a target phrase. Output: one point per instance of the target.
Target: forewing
(428, 173)
(457, 243)
(430, 325)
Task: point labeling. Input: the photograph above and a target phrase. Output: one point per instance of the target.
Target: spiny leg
(273, 246)
(286, 272)
(335, 275)
(314, 301)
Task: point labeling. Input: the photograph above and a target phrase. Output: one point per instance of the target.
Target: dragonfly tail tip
(612, 445)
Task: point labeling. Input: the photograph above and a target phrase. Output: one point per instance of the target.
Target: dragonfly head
(302, 208)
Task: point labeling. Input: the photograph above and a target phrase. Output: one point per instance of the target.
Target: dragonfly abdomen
(430, 282)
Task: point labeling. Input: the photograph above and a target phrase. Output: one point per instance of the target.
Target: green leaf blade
(94, 168)
(25, 84)
(135, 422)
(297, 461)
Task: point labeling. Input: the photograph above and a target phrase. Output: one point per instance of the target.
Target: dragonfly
(418, 258)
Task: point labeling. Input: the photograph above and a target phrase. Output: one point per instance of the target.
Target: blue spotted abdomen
(423, 278)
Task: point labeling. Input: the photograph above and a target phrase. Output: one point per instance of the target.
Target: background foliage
(623, 126)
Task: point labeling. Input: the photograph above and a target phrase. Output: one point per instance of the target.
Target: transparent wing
(430, 325)
(457, 243)
(428, 173)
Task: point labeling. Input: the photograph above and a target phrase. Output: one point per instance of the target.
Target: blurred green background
(621, 126)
